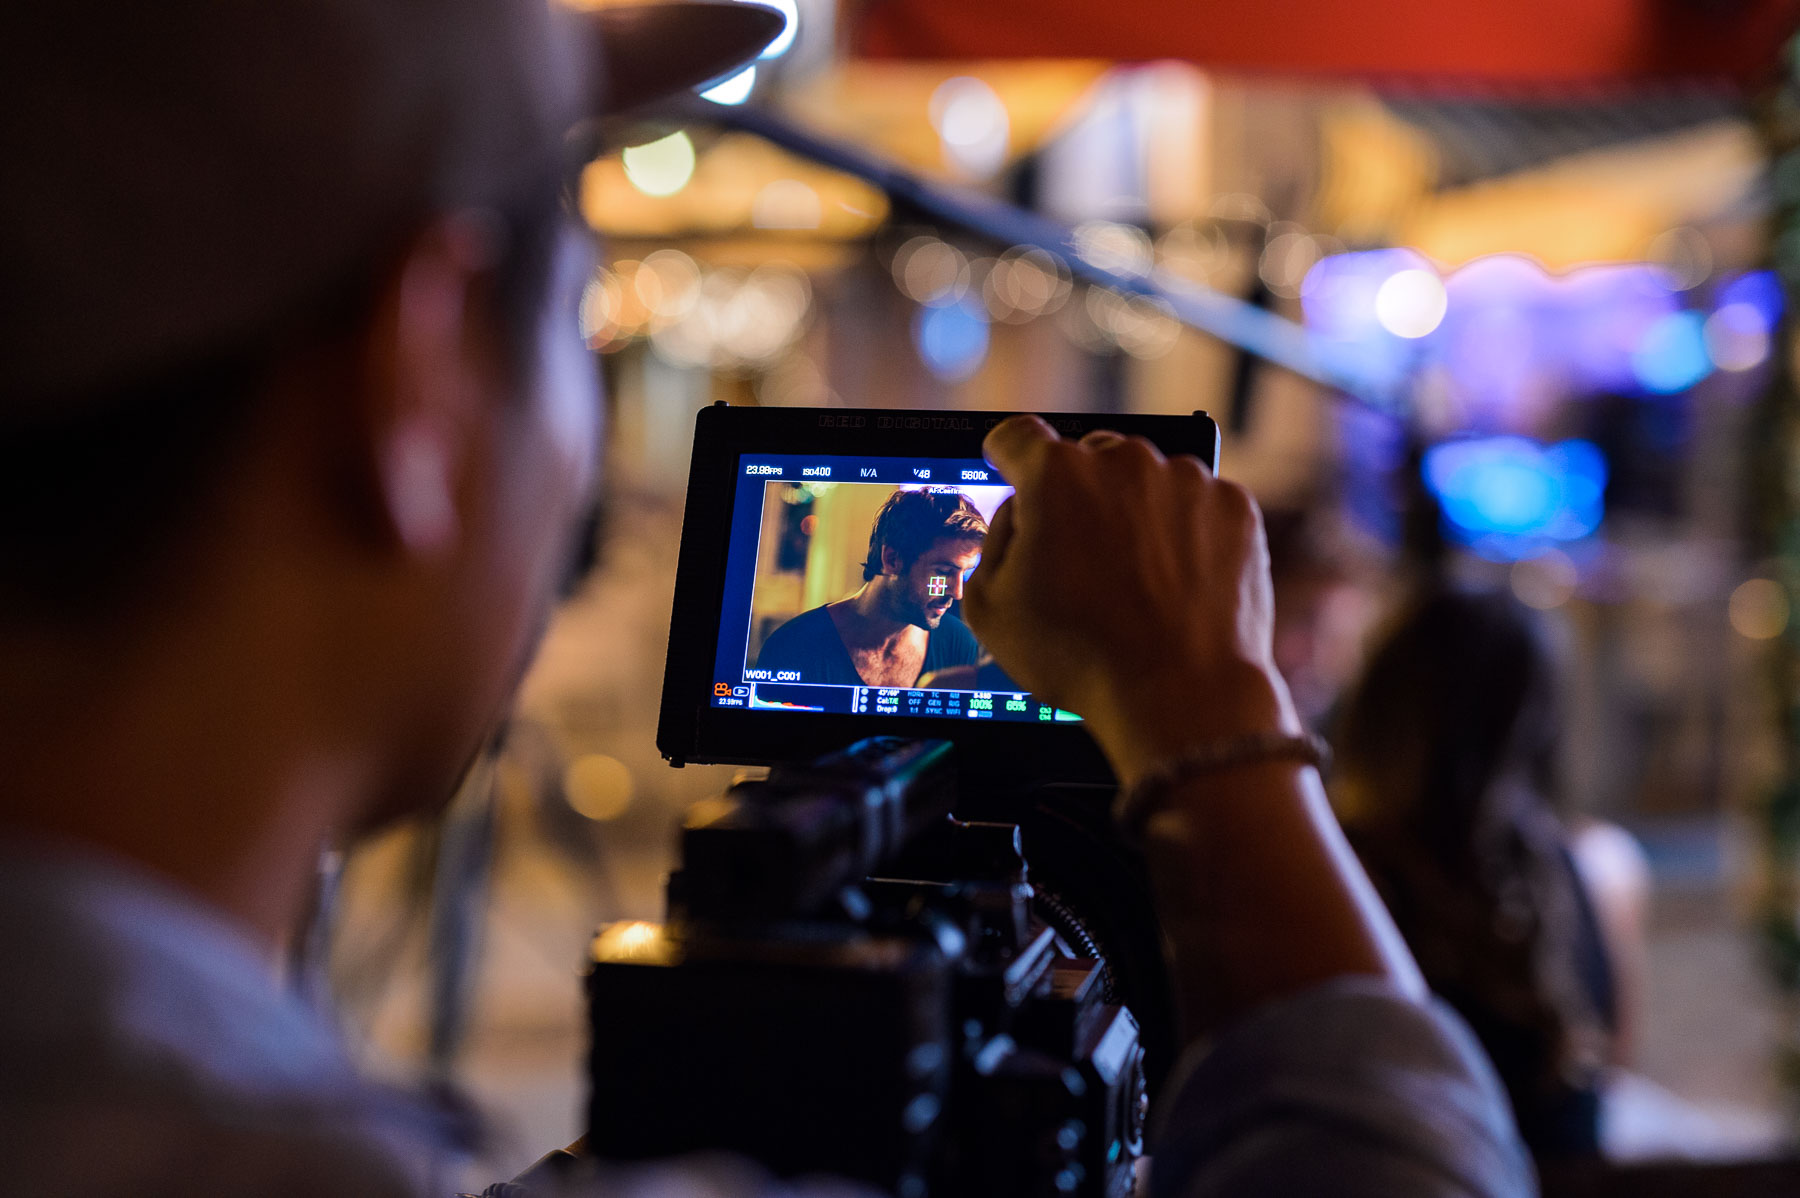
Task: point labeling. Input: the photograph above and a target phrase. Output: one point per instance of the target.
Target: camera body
(854, 982)
(860, 974)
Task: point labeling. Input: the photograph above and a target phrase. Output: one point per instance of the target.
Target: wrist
(1162, 789)
(1151, 720)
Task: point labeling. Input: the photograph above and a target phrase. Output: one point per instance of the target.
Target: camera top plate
(753, 471)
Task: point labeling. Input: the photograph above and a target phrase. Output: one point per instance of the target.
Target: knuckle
(1126, 455)
(1060, 457)
(1189, 472)
(1236, 500)
(1235, 494)
(1136, 449)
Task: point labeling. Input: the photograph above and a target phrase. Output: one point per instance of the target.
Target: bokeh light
(667, 283)
(725, 319)
(1195, 252)
(1759, 609)
(1338, 294)
(952, 339)
(972, 125)
(1761, 289)
(1673, 354)
(1286, 261)
(1545, 582)
(602, 304)
(1411, 303)
(1737, 337)
(1505, 340)
(1141, 326)
(1511, 497)
(662, 167)
(1024, 284)
(929, 271)
(1112, 246)
(598, 787)
(766, 314)
(1685, 256)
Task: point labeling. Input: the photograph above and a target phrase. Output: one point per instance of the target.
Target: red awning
(1471, 42)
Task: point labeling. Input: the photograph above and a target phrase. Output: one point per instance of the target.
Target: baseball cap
(185, 175)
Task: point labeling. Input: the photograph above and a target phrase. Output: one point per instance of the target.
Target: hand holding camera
(1131, 588)
(1160, 637)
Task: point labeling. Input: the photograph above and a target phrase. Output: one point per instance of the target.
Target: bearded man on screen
(897, 627)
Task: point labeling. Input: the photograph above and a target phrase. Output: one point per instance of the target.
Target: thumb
(1017, 448)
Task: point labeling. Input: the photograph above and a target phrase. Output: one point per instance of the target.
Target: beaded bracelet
(1134, 807)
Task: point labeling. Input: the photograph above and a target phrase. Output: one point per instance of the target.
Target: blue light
(1672, 355)
(1761, 289)
(1338, 294)
(1514, 333)
(1509, 497)
(953, 339)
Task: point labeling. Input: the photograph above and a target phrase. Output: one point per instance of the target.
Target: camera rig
(924, 961)
(853, 981)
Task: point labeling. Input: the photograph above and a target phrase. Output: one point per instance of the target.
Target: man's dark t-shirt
(810, 644)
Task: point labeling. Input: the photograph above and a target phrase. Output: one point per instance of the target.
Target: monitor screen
(843, 590)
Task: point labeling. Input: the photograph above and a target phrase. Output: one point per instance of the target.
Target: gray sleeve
(1347, 1090)
(126, 1150)
(701, 1175)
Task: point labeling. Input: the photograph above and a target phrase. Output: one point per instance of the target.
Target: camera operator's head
(297, 422)
(921, 550)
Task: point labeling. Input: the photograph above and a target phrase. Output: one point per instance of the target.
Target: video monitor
(843, 589)
(824, 556)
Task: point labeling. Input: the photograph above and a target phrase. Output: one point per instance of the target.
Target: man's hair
(911, 521)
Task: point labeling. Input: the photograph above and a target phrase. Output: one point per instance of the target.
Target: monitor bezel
(691, 729)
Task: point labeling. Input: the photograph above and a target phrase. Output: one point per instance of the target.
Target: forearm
(1259, 894)
(1261, 897)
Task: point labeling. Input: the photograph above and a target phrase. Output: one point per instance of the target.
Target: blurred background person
(1326, 599)
(1448, 782)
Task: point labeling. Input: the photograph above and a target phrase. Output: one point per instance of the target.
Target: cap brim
(650, 51)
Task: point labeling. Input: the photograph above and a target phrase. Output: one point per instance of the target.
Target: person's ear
(429, 372)
(890, 561)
